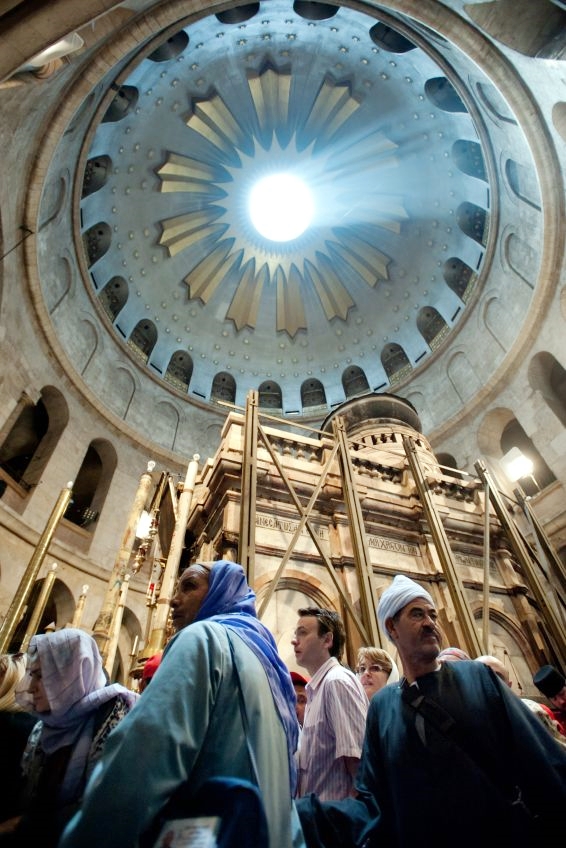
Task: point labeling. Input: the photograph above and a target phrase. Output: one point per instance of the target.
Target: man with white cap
(451, 756)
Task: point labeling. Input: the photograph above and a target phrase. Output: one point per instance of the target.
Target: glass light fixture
(144, 523)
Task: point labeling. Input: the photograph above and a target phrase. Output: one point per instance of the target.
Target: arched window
(449, 465)
(125, 101)
(313, 11)
(472, 220)
(395, 362)
(58, 611)
(171, 48)
(33, 436)
(513, 436)
(442, 94)
(459, 277)
(388, 39)
(113, 296)
(468, 157)
(96, 241)
(354, 381)
(96, 174)
(239, 14)
(270, 396)
(223, 387)
(180, 370)
(143, 339)
(547, 376)
(432, 326)
(312, 394)
(91, 484)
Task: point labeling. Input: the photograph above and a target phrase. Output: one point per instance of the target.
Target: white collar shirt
(334, 728)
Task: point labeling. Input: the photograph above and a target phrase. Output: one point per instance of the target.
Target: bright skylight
(281, 207)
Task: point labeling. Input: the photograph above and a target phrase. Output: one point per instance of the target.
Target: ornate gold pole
(39, 608)
(486, 581)
(80, 608)
(21, 598)
(103, 624)
(159, 631)
(116, 625)
(246, 548)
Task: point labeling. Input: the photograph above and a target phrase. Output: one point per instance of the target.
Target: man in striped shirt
(335, 715)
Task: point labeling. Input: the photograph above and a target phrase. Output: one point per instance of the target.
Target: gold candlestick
(21, 598)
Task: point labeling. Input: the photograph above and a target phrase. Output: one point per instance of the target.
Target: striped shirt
(334, 728)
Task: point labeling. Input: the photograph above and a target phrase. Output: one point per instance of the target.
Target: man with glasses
(450, 757)
(335, 715)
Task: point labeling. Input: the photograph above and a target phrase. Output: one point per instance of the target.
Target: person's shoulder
(343, 682)
(205, 635)
(339, 672)
(473, 675)
(387, 694)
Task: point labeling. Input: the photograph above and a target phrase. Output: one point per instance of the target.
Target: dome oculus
(281, 207)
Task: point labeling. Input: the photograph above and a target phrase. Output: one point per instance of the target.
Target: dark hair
(328, 622)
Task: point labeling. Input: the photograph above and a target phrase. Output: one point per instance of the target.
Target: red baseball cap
(151, 665)
(298, 678)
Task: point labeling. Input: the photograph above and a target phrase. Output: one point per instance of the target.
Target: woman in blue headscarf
(221, 705)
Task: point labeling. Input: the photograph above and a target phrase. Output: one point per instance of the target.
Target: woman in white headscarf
(376, 669)
(65, 690)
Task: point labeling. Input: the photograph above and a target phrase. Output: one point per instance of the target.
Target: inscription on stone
(392, 545)
(285, 525)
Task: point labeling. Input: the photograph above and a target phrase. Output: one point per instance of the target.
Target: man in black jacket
(451, 755)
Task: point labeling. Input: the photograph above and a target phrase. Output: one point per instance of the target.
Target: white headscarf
(75, 685)
(402, 591)
(394, 675)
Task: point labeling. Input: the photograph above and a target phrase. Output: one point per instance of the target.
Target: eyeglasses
(371, 669)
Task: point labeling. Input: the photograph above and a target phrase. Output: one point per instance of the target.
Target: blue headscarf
(231, 602)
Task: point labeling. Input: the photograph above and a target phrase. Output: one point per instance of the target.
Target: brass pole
(486, 556)
(103, 624)
(116, 625)
(39, 608)
(364, 568)
(455, 587)
(246, 548)
(21, 598)
(170, 573)
(78, 616)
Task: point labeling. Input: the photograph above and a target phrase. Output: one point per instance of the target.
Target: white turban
(402, 591)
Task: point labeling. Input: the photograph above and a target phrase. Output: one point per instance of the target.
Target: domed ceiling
(369, 115)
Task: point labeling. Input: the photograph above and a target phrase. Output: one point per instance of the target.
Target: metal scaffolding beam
(455, 587)
(553, 626)
(364, 568)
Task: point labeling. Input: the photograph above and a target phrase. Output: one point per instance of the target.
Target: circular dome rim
(539, 146)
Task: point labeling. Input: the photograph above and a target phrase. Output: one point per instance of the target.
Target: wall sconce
(56, 51)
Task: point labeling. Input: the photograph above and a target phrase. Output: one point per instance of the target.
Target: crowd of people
(265, 757)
